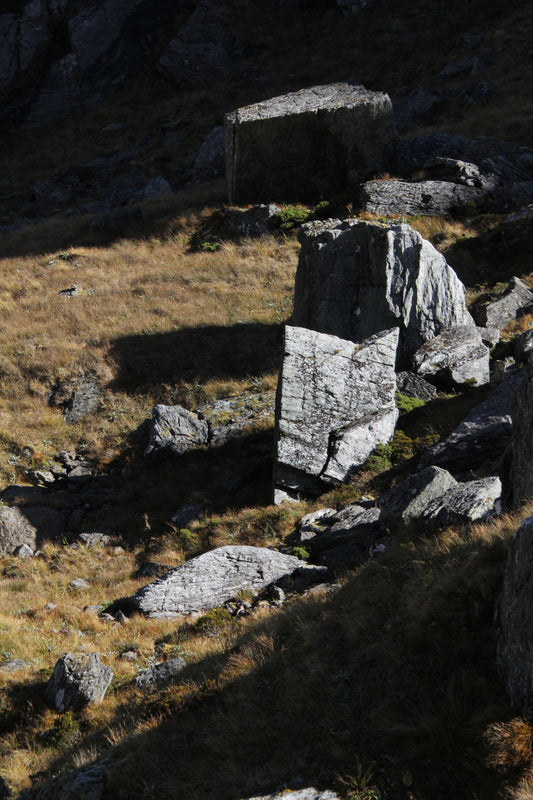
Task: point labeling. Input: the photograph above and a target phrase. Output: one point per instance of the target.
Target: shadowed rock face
(308, 144)
(357, 278)
(520, 479)
(516, 621)
(335, 404)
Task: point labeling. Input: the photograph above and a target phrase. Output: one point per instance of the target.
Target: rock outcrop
(409, 500)
(356, 278)
(210, 580)
(78, 680)
(507, 306)
(174, 430)
(335, 403)
(515, 641)
(463, 504)
(308, 144)
(160, 674)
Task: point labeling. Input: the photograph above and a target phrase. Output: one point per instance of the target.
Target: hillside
(381, 684)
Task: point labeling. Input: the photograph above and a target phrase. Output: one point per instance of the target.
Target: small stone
(79, 584)
(23, 551)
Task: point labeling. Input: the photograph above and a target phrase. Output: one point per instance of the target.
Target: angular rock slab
(455, 357)
(299, 794)
(507, 306)
(425, 197)
(78, 680)
(213, 578)
(335, 404)
(315, 141)
(481, 438)
(468, 502)
(174, 430)
(515, 640)
(356, 278)
(409, 500)
(160, 674)
(28, 526)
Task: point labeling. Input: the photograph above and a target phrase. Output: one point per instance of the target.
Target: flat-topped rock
(424, 197)
(455, 357)
(307, 144)
(210, 580)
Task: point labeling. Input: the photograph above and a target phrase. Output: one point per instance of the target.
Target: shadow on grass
(196, 354)
(395, 673)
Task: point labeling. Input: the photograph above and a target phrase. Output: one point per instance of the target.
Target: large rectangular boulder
(307, 145)
(357, 278)
(335, 404)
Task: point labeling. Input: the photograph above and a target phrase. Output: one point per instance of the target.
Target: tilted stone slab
(515, 640)
(308, 144)
(506, 307)
(410, 499)
(425, 197)
(174, 430)
(78, 679)
(213, 578)
(335, 404)
(465, 503)
(455, 357)
(356, 278)
(480, 439)
(299, 794)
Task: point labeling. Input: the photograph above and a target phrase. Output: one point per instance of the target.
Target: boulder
(456, 357)
(84, 783)
(356, 278)
(478, 442)
(519, 482)
(523, 347)
(335, 404)
(453, 170)
(78, 679)
(210, 580)
(254, 221)
(84, 400)
(507, 306)
(410, 499)
(33, 32)
(236, 416)
(463, 504)
(515, 639)
(315, 523)
(173, 430)
(94, 30)
(205, 47)
(418, 105)
(424, 197)
(30, 526)
(160, 674)
(298, 794)
(517, 228)
(8, 52)
(308, 144)
(412, 385)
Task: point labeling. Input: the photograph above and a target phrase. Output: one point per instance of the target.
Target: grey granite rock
(515, 640)
(236, 416)
(478, 442)
(298, 794)
(174, 430)
(160, 674)
(84, 783)
(308, 144)
(254, 221)
(412, 385)
(423, 197)
(410, 499)
(315, 523)
(213, 578)
(78, 679)
(59, 93)
(507, 306)
(462, 504)
(356, 278)
(30, 526)
(335, 404)
(210, 161)
(455, 357)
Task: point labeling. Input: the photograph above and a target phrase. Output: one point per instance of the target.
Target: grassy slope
(390, 683)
